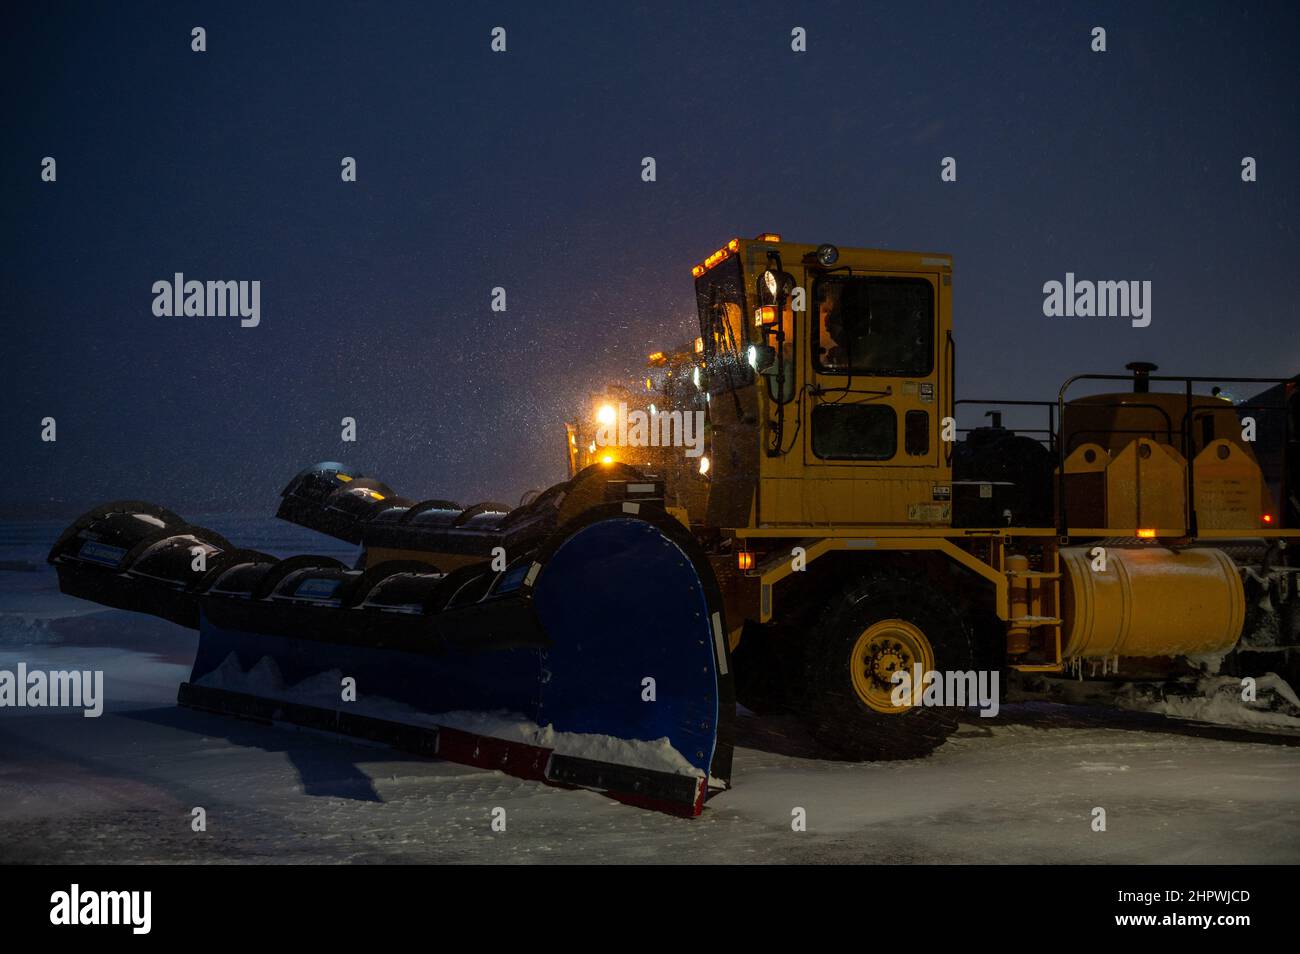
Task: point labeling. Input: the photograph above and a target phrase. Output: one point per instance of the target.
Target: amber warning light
(721, 255)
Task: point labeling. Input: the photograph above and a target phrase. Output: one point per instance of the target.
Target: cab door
(871, 447)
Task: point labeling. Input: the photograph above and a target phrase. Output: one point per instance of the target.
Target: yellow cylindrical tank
(1149, 601)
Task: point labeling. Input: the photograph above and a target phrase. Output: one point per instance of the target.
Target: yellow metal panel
(1146, 486)
(1229, 488)
(778, 569)
(1087, 459)
(912, 533)
(903, 498)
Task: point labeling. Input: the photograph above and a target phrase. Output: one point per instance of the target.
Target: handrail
(1050, 430)
(1062, 447)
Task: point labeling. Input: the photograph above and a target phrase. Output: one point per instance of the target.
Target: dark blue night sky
(523, 170)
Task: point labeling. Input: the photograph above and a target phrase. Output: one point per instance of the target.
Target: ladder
(1034, 620)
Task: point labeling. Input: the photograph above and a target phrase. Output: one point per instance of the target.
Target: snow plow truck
(784, 510)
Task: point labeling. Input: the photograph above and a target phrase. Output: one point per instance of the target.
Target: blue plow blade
(637, 651)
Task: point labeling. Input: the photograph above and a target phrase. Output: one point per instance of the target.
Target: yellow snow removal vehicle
(787, 502)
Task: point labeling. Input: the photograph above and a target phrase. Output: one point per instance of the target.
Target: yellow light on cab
(1146, 534)
(607, 459)
(721, 255)
(744, 560)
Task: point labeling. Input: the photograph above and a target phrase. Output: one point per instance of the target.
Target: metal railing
(1181, 436)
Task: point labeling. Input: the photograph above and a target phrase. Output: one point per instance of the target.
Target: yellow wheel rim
(884, 648)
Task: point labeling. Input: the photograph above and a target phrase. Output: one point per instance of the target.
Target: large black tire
(833, 709)
(766, 665)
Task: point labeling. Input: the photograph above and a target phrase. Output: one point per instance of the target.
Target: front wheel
(882, 625)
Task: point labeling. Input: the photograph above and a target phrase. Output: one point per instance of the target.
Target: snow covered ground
(1019, 788)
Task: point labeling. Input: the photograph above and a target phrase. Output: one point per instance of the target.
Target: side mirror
(762, 358)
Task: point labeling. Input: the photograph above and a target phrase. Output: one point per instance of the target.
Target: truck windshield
(721, 299)
(874, 326)
(720, 295)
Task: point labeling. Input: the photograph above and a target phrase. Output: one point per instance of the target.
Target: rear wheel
(882, 625)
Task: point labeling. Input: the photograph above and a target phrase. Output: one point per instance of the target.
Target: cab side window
(874, 325)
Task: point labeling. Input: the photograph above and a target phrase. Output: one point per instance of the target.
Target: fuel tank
(1149, 601)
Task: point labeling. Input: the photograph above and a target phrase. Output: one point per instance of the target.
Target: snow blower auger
(576, 640)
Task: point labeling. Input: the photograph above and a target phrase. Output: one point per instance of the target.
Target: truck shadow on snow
(785, 734)
(327, 765)
(1047, 715)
